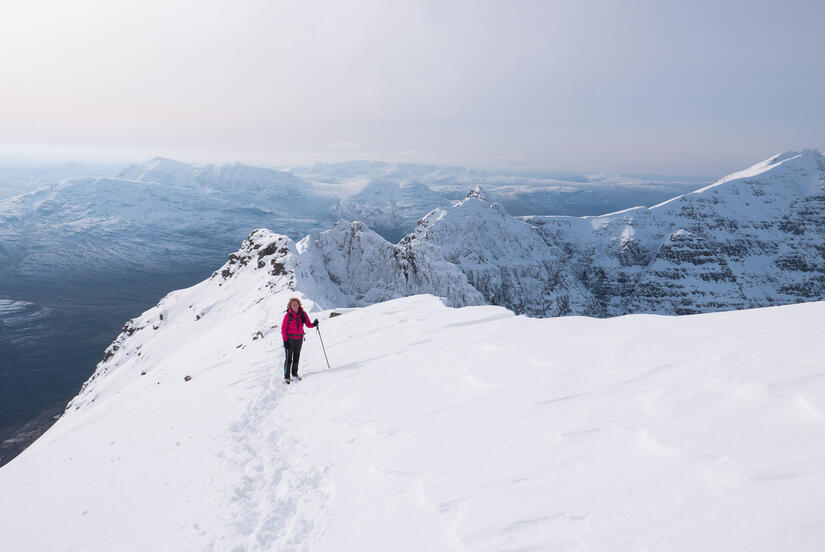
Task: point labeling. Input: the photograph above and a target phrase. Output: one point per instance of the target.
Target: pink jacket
(293, 326)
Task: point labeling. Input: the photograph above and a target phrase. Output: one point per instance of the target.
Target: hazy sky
(635, 86)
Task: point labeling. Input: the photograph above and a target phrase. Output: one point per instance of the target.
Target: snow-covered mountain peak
(478, 200)
(786, 166)
(161, 170)
(478, 192)
(345, 235)
(347, 225)
(805, 155)
(264, 253)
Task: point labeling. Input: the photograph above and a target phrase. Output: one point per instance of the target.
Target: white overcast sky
(634, 86)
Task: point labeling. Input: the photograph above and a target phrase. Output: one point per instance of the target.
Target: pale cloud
(513, 160)
(344, 144)
(701, 87)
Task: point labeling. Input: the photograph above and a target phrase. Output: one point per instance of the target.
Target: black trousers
(293, 354)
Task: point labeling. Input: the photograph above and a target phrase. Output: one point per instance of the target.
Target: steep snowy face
(754, 238)
(351, 265)
(502, 256)
(247, 294)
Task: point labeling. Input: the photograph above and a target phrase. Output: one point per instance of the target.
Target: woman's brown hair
(289, 304)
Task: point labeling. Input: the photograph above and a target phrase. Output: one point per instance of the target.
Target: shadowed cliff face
(754, 239)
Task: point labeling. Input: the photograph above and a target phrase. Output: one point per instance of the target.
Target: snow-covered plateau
(434, 428)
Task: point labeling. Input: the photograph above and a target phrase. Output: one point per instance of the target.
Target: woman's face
(294, 305)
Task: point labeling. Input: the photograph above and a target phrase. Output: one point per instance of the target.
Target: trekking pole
(322, 345)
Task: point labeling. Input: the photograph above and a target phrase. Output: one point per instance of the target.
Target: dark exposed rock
(110, 352)
(270, 249)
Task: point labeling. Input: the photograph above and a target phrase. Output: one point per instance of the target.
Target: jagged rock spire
(478, 193)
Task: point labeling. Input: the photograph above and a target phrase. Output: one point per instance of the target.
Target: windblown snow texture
(637, 432)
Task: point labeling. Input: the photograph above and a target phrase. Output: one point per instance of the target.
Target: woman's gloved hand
(315, 322)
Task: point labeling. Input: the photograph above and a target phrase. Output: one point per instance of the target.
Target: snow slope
(435, 429)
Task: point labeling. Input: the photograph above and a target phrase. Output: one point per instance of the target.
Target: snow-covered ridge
(678, 433)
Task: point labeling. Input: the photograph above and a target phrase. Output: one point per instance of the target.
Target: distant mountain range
(754, 238)
(163, 215)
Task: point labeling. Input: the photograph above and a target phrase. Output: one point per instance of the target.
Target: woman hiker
(292, 330)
